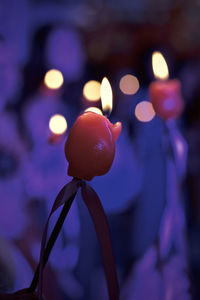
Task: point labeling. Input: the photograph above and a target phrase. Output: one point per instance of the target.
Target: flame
(159, 65)
(58, 124)
(94, 109)
(106, 96)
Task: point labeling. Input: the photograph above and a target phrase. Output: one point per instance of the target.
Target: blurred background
(80, 42)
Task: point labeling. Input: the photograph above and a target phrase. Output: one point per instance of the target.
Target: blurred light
(159, 65)
(179, 146)
(91, 90)
(106, 96)
(129, 84)
(53, 79)
(144, 111)
(58, 124)
(95, 110)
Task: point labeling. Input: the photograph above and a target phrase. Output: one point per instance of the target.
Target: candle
(165, 94)
(168, 103)
(90, 147)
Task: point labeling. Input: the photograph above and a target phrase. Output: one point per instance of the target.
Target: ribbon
(100, 222)
(66, 195)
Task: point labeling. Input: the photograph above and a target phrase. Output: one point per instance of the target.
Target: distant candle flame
(94, 109)
(159, 65)
(144, 111)
(53, 79)
(91, 90)
(106, 96)
(58, 124)
(129, 84)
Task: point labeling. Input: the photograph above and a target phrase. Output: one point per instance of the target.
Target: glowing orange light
(58, 124)
(159, 65)
(144, 111)
(129, 84)
(106, 95)
(53, 79)
(91, 90)
(94, 109)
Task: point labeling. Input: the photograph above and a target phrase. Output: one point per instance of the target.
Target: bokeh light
(53, 79)
(94, 109)
(91, 90)
(144, 111)
(160, 68)
(129, 84)
(58, 124)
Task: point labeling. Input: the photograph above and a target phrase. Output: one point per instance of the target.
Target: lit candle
(165, 94)
(168, 104)
(90, 147)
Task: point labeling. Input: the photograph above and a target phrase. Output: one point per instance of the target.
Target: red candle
(90, 146)
(165, 94)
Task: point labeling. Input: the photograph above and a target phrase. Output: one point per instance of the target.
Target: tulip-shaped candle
(165, 94)
(90, 147)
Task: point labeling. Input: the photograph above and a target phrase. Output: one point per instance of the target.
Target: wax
(166, 98)
(90, 146)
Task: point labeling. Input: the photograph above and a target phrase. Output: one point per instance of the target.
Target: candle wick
(107, 112)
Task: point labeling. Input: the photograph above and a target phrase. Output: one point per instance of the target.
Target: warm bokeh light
(144, 111)
(94, 109)
(106, 95)
(159, 65)
(129, 84)
(53, 79)
(91, 90)
(58, 124)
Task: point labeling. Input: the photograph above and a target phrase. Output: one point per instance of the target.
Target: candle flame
(106, 96)
(58, 124)
(159, 65)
